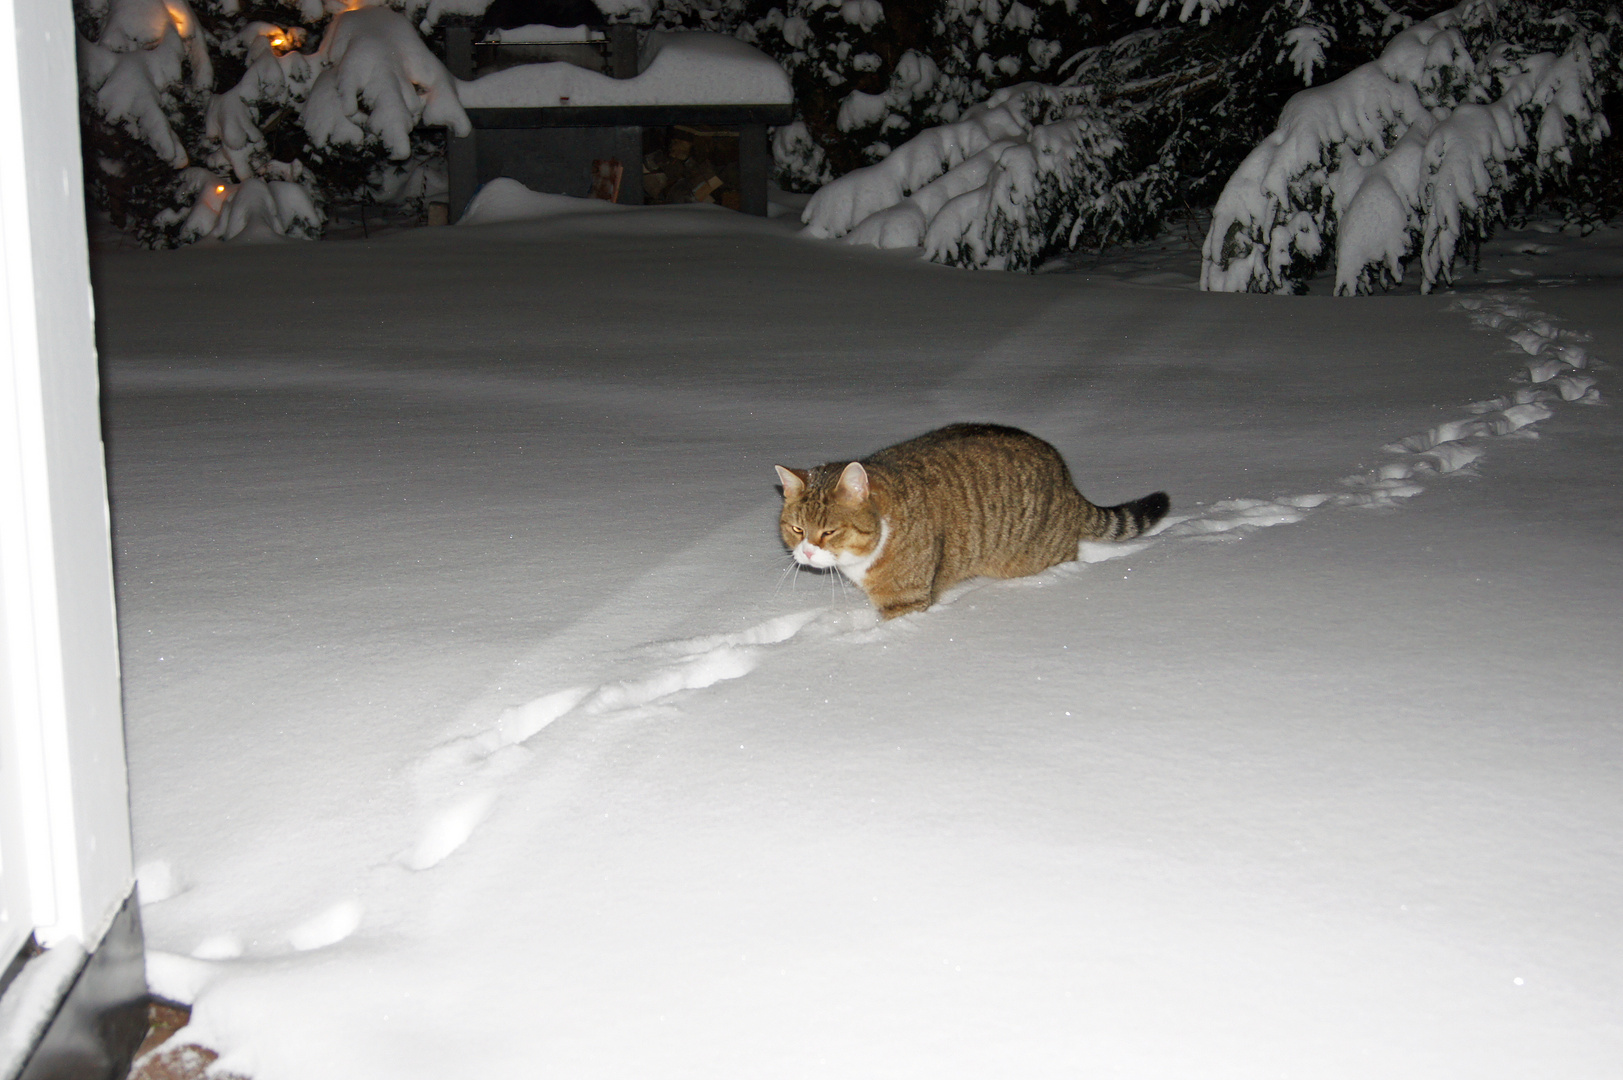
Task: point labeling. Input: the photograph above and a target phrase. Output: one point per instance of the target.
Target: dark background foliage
(1189, 96)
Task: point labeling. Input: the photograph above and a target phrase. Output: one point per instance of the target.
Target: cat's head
(828, 516)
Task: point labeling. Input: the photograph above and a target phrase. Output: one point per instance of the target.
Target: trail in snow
(1556, 357)
(462, 775)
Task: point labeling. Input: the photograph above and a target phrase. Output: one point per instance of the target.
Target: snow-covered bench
(544, 123)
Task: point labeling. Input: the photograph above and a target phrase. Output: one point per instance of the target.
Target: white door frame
(65, 862)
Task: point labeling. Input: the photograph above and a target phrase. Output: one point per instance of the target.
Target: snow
(372, 79)
(140, 56)
(30, 1001)
(148, 24)
(977, 191)
(676, 68)
(254, 210)
(479, 727)
(632, 11)
(540, 33)
(270, 78)
(503, 199)
(905, 177)
(1416, 103)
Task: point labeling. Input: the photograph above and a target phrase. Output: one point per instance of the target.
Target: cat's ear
(853, 485)
(793, 480)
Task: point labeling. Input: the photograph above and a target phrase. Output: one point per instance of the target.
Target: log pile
(689, 164)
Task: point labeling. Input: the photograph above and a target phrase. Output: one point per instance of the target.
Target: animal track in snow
(1452, 446)
(449, 829)
(470, 764)
(317, 932)
(158, 881)
(1557, 358)
(224, 946)
(328, 928)
(460, 775)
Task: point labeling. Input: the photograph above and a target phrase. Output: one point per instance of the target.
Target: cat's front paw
(892, 608)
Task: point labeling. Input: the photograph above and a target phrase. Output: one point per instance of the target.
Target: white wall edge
(66, 833)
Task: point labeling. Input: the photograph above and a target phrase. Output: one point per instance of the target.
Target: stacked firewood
(688, 164)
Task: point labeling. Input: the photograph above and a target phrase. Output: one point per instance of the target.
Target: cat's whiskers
(839, 590)
(844, 589)
(790, 573)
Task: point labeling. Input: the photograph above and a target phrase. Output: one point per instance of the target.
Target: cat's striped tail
(1130, 519)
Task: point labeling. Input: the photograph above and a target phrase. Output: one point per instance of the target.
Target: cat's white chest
(856, 567)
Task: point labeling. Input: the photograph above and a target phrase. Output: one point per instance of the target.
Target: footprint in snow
(329, 927)
(668, 668)
(472, 764)
(1553, 371)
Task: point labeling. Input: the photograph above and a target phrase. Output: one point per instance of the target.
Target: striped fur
(964, 501)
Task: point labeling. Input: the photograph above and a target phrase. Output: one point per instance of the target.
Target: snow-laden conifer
(1412, 153)
(202, 121)
(378, 81)
(1014, 181)
(869, 75)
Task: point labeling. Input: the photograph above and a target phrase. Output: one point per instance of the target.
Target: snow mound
(1019, 176)
(1411, 152)
(379, 79)
(679, 68)
(504, 199)
(254, 210)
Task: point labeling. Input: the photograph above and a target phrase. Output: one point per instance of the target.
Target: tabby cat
(963, 501)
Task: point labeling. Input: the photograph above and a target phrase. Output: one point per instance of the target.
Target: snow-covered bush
(203, 121)
(1184, 92)
(149, 58)
(1165, 100)
(252, 210)
(276, 75)
(1016, 180)
(1413, 152)
(870, 75)
(1187, 87)
(378, 81)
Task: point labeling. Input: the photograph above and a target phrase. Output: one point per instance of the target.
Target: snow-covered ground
(479, 728)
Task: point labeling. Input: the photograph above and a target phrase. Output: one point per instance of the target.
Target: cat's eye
(797, 530)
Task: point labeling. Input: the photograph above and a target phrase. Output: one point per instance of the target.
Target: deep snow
(477, 727)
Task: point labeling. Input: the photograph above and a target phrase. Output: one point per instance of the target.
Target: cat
(963, 501)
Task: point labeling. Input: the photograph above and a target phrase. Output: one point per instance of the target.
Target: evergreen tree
(221, 119)
(1462, 117)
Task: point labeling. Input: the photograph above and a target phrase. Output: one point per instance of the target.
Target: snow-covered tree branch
(378, 80)
(1411, 153)
(1015, 180)
(173, 157)
(1058, 122)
